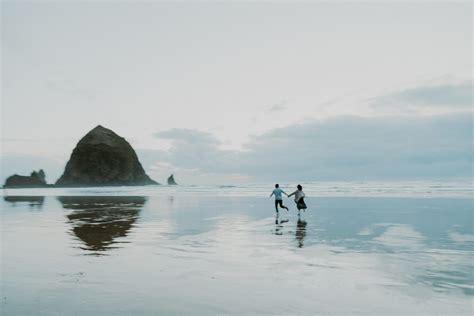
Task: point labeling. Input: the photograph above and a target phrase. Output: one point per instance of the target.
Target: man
(278, 199)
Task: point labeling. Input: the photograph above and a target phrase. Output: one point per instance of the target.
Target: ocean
(369, 248)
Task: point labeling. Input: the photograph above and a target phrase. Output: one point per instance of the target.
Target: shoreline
(425, 189)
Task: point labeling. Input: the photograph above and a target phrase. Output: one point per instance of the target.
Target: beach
(190, 251)
(146, 145)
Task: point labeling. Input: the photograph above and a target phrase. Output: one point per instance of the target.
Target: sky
(236, 92)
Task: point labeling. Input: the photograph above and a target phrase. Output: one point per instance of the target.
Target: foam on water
(459, 188)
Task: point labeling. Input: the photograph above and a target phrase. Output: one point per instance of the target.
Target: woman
(299, 198)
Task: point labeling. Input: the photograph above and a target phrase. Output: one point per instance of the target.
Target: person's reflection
(278, 223)
(300, 231)
(32, 201)
(99, 220)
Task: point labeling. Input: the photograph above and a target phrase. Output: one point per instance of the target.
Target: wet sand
(201, 255)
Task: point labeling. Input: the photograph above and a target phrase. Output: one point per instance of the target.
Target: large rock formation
(34, 180)
(102, 158)
(171, 180)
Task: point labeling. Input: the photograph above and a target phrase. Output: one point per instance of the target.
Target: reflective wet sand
(193, 254)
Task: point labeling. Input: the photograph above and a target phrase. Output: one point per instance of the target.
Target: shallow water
(182, 252)
(453, 188)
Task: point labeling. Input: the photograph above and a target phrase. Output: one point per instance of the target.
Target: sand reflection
(100, 221)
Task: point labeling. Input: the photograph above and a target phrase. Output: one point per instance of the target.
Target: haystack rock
(171, 180)
(34, 180)
(102, 158)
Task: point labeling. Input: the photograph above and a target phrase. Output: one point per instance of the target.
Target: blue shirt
(277, 192)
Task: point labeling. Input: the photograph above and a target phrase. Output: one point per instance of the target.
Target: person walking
(299, 198)
(278, 197)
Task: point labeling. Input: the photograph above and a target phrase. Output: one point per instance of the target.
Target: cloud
(72, 89)
(280, 106)
(25, 140)
(193, 149)
(187, 136)
(340, 148)
(446, 95)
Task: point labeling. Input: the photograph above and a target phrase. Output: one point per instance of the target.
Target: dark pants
(279, 202)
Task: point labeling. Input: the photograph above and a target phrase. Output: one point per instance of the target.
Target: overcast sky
(224, 93)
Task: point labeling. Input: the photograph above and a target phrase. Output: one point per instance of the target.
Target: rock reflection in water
(32, 201)
(99, 220)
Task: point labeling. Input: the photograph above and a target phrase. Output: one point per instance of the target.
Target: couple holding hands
(299, 197)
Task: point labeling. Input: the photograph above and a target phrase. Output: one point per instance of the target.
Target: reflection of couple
(299, 197)
(300, 232)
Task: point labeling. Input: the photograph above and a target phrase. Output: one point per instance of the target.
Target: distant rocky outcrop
(34, 180)
(103, 158)
(171, 180)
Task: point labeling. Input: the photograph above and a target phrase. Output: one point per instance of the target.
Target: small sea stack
(171, 180)
(103, 158)
(34, 180)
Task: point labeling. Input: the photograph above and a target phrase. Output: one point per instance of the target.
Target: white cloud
(458, 237)
(280, 106)
(452, 96)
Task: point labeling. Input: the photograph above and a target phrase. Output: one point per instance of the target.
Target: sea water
(360, 248)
